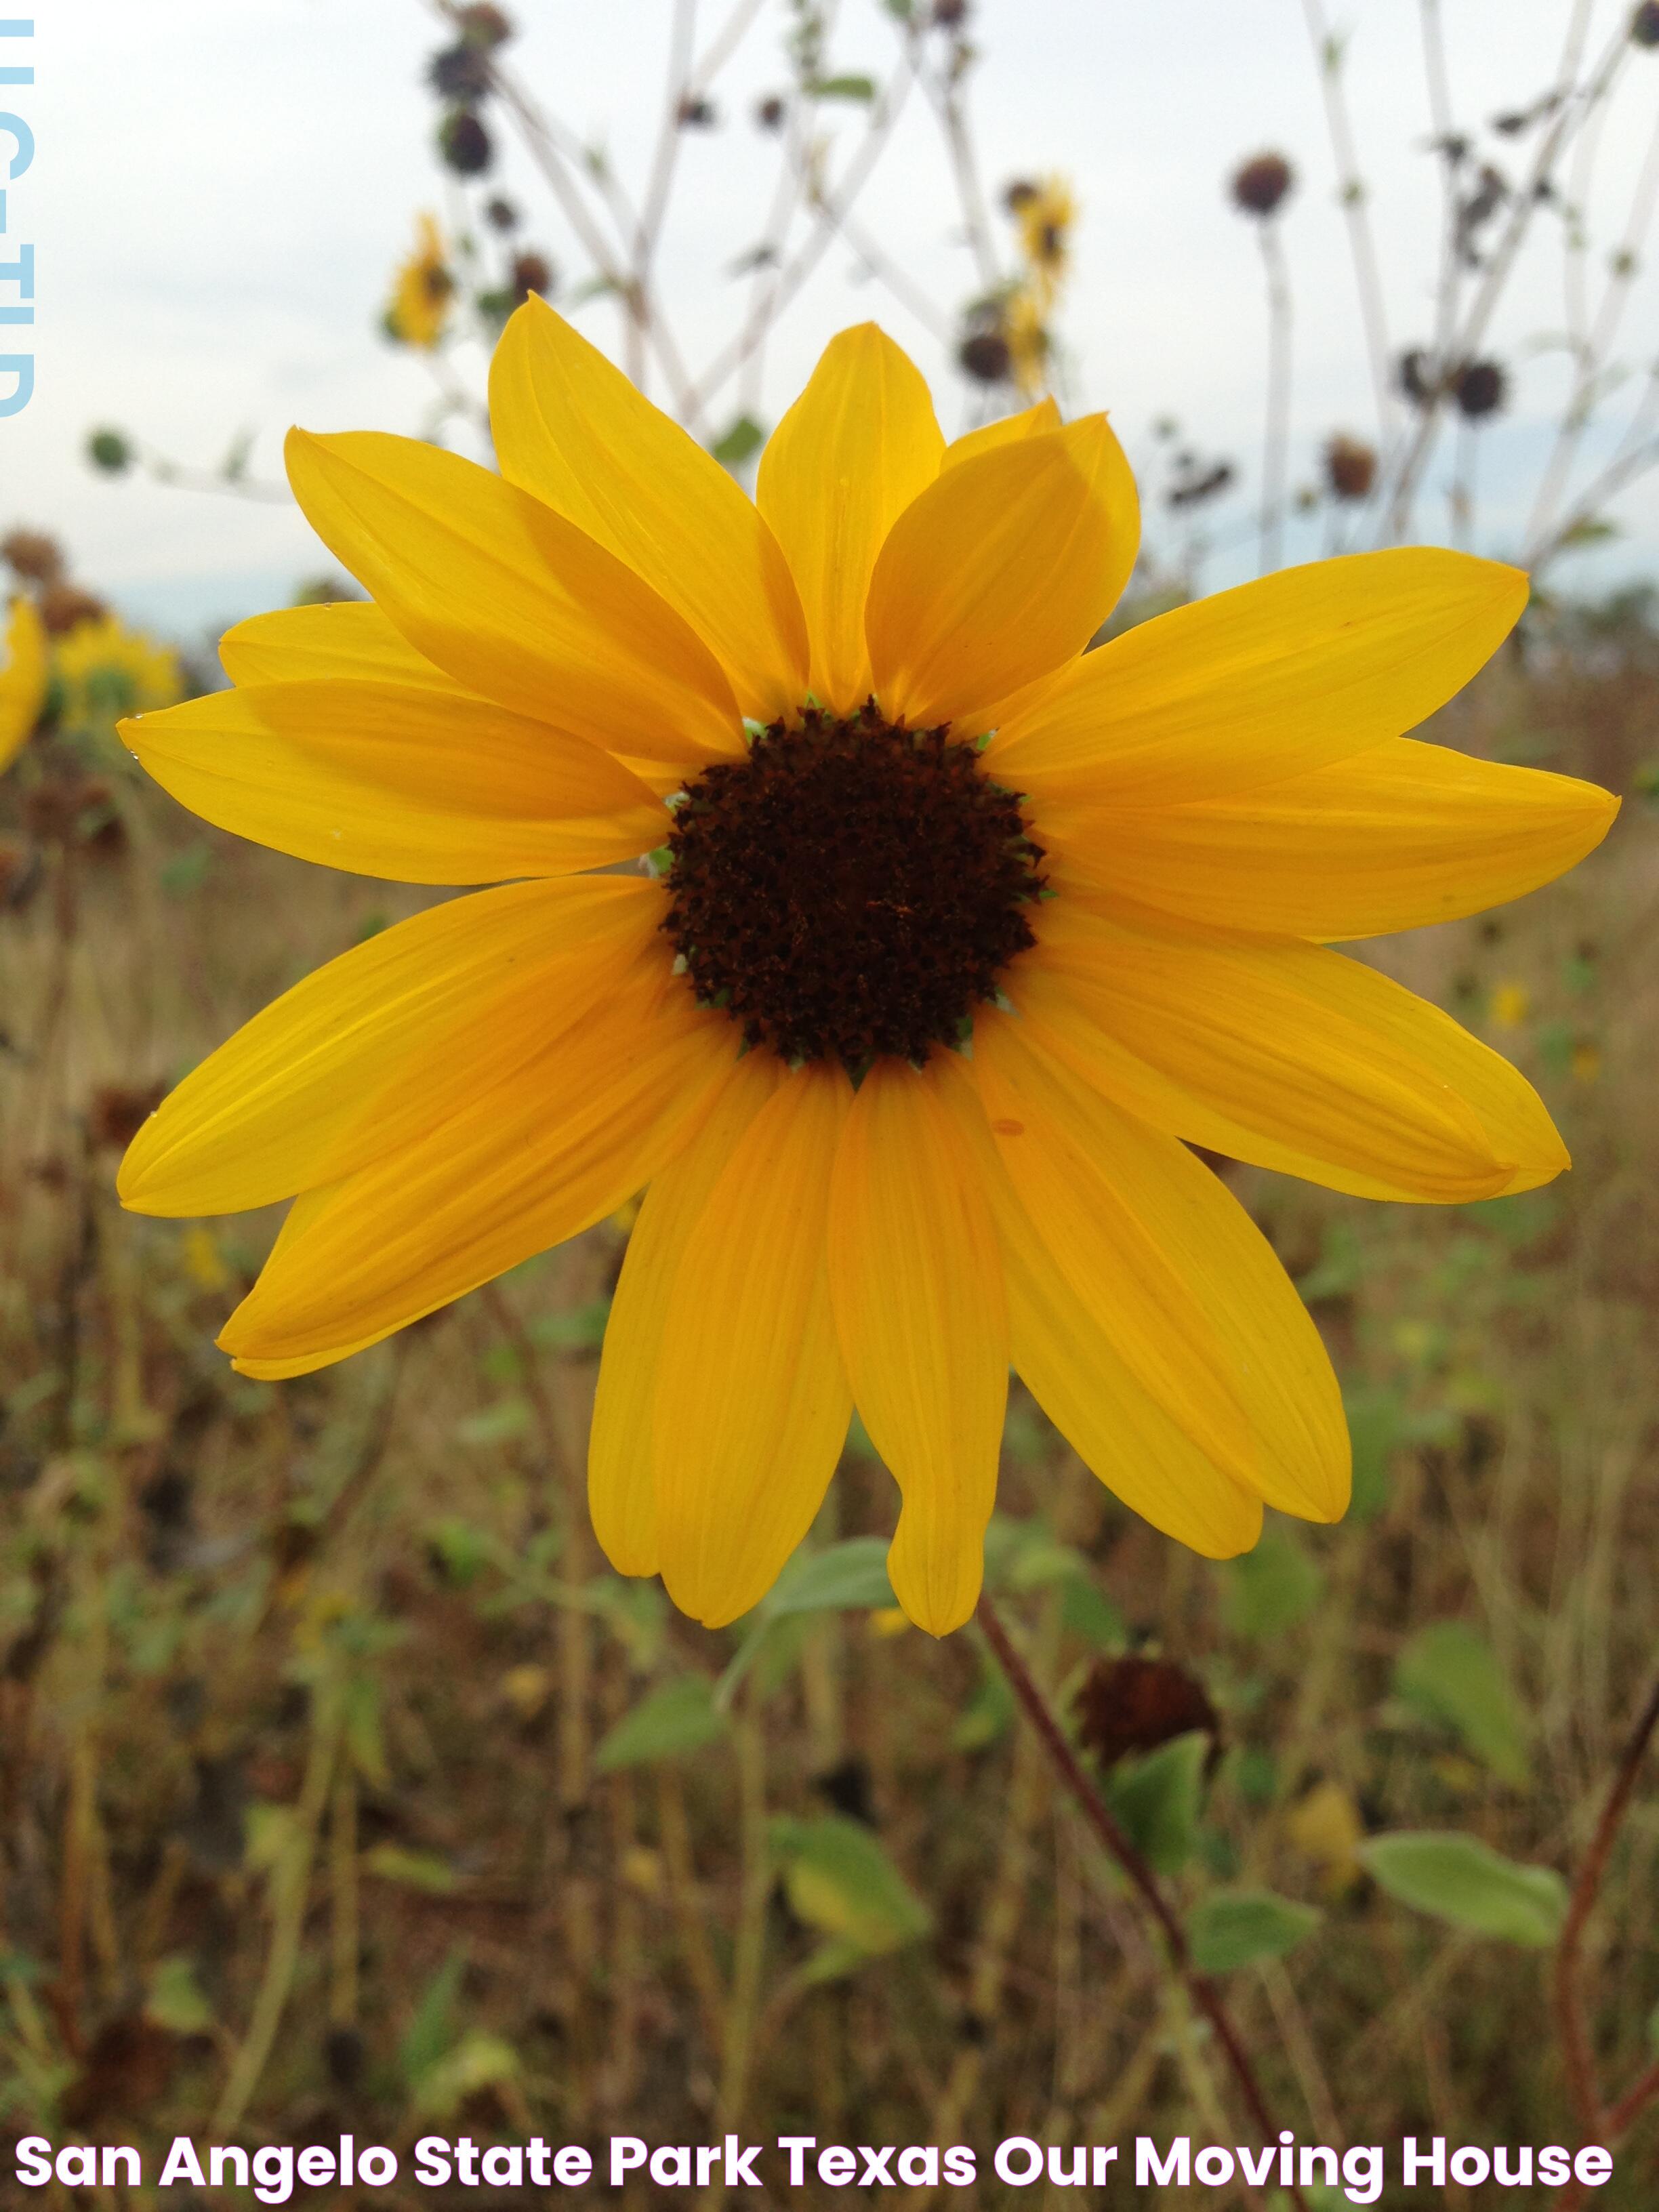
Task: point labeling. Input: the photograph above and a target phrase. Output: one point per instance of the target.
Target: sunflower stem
(1069, 1770)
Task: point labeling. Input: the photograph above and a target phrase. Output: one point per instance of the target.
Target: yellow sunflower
(1046, 215)
(424, 289)
(953, 940)
(107, 670)
(24, 677)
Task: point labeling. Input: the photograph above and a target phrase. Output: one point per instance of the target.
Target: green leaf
(421, 1870)
(477, 2062)
(1086, 1610)
(844, 88)
(496, 1423)
(986, 1714)
(1272, 1588)
(432, 2031)
(1339, 1267)
(839, 1880)
(1237, 1927)
(845, 1577)
(1156, 1800)
(738, 444)
(175, 2000)
(1461, 1879)
(1377, 1430)
(1448, 1673)
(678, 1716)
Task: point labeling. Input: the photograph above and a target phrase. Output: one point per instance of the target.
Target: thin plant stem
(1571, 2029)
(1356, 213)
(1277, 436)
(1069, 1770)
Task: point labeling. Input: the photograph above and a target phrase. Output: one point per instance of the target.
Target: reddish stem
(1064, 1760)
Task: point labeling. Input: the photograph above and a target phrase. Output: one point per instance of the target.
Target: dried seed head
(1349, 467)
(986, 356)
(770, 112)
(64, 607)
(501, 215)
(532, 273)
(1261, 185)
(484, 26)
(464, 144)
(1480, 389)
(697, 113)
(117, 1112)
(1644, 24)
(32, 556)
(1134, 1704)
(1020, 194)
(460, 73)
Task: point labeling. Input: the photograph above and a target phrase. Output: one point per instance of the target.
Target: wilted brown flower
(1135, 1705)
(117, 1112)
(1349, 467)
(1480, 389)
(1644, 24)
(464, 144)
(1019, 194)
(532, 273)
(64, 607)
(1261, 185)
(31, 554)
(986, 356)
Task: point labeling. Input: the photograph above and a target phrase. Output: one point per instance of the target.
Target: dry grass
(301, 1683)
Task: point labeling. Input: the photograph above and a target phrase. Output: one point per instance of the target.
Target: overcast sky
(221, 191)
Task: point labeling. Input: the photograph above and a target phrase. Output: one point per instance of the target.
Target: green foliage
(739, 443)
(844, 88)
(1448, 1673)
(839, 1880)
(421, 1870)
(1156, 1800)
(678, 1716)
(985, 1717)
(1461, 1879)
(1272, 1589)
(1235, 1928)
(849, 1577)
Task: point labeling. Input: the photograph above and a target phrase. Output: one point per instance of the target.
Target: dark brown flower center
(849, 890)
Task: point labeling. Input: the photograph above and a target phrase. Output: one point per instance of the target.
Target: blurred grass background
(342, 1789)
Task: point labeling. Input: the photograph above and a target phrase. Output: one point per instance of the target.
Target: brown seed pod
(32, 555)
(1259, 185)
(1349, 467)
(1133, 1704)
(1644, 24)
(1480, 389)
(464, 143)
(532, 273)
(985, 356)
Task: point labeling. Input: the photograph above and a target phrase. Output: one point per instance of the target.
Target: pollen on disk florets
(850, 890)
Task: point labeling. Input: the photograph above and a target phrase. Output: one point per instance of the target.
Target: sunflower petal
(511, 599)
(348, 638)
(1062, 1333)
(1404, 834)
(621, 1484)
(1264, 682)
(752, 1402)
(857, 447)
(421, 786)
(917, 1285)
(383, 1043)
(1079, 1164)
(572, 429)
(555, 1145)
(1029, 423)
(1000, 572)
(1285, 1055)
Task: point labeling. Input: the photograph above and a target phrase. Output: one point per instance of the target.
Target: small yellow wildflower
(23, 680)
(1325, 1826)
(1046, 217)
(1510, 1005)
(421, 299)
(107, 670)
